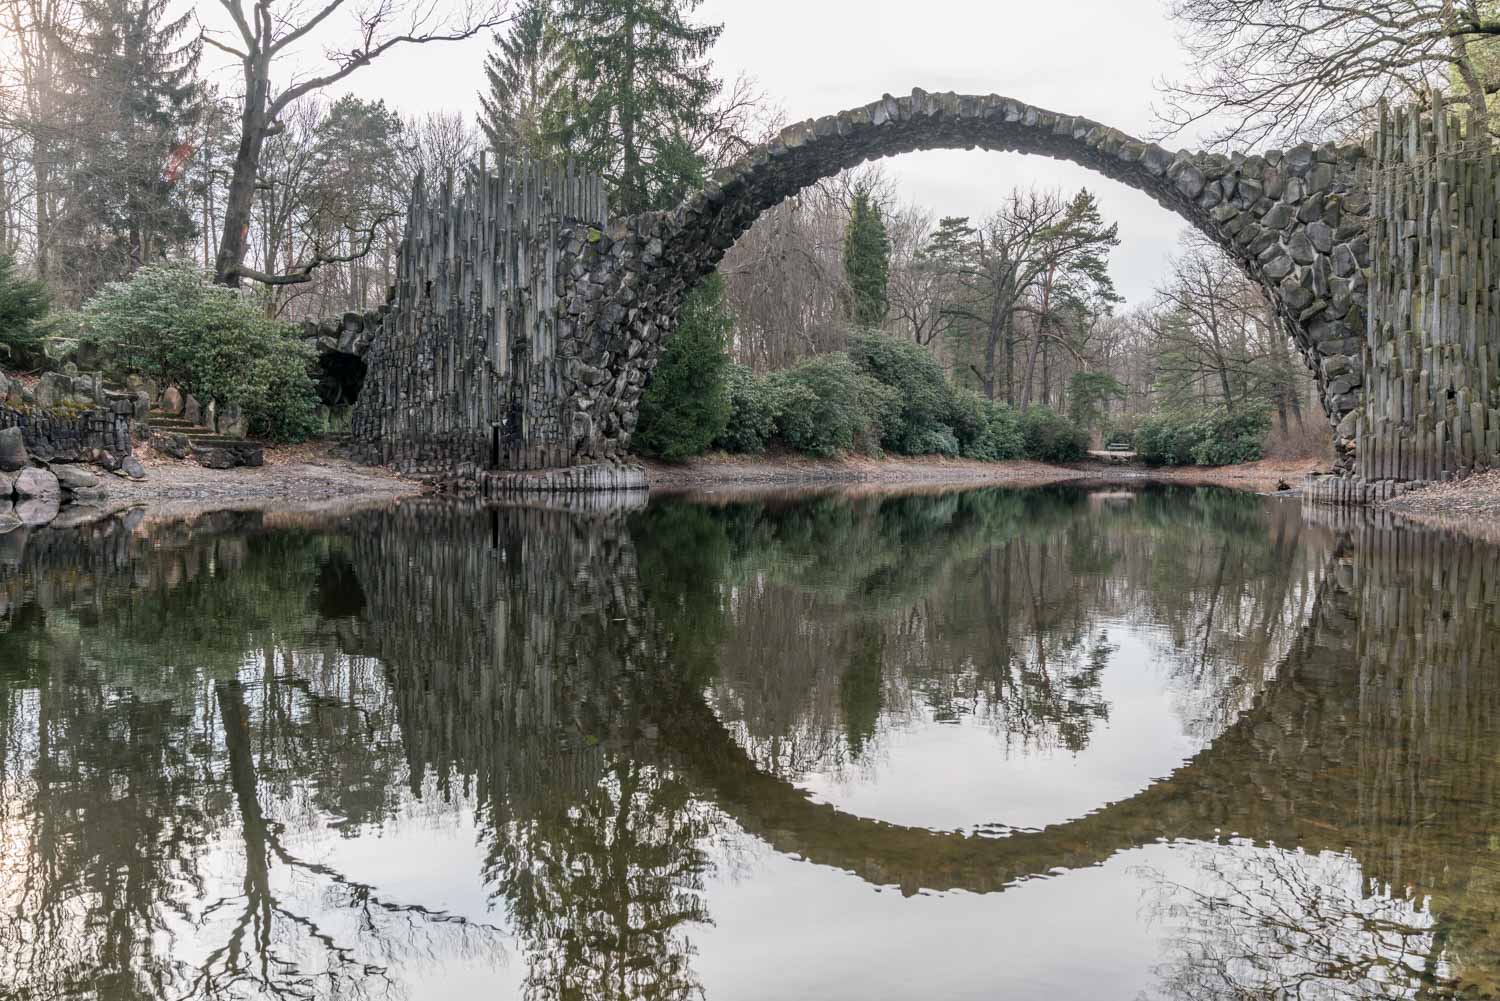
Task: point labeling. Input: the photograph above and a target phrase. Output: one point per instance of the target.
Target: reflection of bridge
(1365, 737)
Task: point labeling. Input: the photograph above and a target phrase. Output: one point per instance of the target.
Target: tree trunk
(241, 197)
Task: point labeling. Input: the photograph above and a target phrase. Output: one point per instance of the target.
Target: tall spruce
(867, 260)
(640, 84)
(132, 115)
(520, 108)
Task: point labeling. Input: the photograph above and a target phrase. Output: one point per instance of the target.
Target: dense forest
(120, 157)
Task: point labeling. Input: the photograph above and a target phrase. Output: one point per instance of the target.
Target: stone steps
(175, 436)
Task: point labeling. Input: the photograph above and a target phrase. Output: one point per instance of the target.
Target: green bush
(169, 324)
(826, 405)
(686, 405)
(1048, 436)
(752, 412)
(939, 440)
(23, 304)
(998, 436)
(925, 402)
(1204, 439)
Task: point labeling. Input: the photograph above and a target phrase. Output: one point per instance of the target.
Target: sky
(1102, 59)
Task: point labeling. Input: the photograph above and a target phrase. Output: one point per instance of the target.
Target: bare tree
(266, 31)
(1299, 70)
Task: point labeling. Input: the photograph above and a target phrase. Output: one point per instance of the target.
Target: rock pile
(34, 493)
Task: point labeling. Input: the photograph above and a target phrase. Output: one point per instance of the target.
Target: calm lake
(1057, 743)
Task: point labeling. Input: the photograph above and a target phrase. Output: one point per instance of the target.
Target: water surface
(1050, 743)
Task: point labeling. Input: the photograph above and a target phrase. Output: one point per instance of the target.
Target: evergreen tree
(521, 107)
(686, 404)
(867, 260)
(131, 116)
(640, 85)
(23, 302)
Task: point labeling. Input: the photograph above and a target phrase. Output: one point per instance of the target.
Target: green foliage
(687, 405)
(520, 107)
(924, 399)
(827, 405)
(640, 82)
(867, 260)
(167, 323)
(137, 97)
(1088, 393)
(1203, 439)
(23, 304)
(1047, 436)
(752, 412)
(997, 431)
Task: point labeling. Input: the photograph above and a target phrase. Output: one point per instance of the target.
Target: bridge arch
(1295, 221)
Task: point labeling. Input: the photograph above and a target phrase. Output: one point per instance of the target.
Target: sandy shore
(733, 473)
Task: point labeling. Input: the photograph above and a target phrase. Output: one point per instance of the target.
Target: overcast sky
(1098, 58)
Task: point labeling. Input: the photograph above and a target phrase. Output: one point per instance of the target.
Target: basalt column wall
(1429, 356)
(464, 371)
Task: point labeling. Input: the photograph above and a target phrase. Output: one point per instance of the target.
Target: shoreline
(312, 479)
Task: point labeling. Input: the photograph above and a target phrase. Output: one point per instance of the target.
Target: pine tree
(520, 110)
(686, 404)
(640, 85)
(867, 260)
(132, 112)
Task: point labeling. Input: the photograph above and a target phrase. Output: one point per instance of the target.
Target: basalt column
(464, 375)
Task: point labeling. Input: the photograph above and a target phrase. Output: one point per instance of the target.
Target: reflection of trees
(835, 620)
(1258, 923)
(126, 790)
(604, 891)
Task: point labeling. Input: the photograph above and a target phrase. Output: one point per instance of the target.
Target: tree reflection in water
(193, 717)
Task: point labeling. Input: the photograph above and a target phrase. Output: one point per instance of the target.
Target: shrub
(1232, 439)
(827, 405)
(23, 303)
(1048, 436)
(752, 412)
(686, 404)
(998, 437)
(924, 401)
(939, 440)
(1204, 439)
(167, 323)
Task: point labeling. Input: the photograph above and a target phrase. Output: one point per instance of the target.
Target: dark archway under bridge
(526, 325)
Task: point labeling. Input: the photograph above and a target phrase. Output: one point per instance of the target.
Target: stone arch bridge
(525, 324)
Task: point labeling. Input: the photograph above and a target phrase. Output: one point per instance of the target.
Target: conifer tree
(131, 117)
(686, 404)
(867, 260)
(640, 84)
(525, 70)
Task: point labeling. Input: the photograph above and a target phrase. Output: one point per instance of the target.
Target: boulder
(73, 478)
(7, 484)
(9, 522)
(53, 389)
(38, 484)
(171, 401)
(13, 454)
(131, 467)
(176, 446)
(191, 411)
(232, 421)
(106, 460)
(214, 457)
(38, 511)
(211, 416)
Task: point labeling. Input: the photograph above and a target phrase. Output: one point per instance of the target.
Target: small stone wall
(59, 437)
